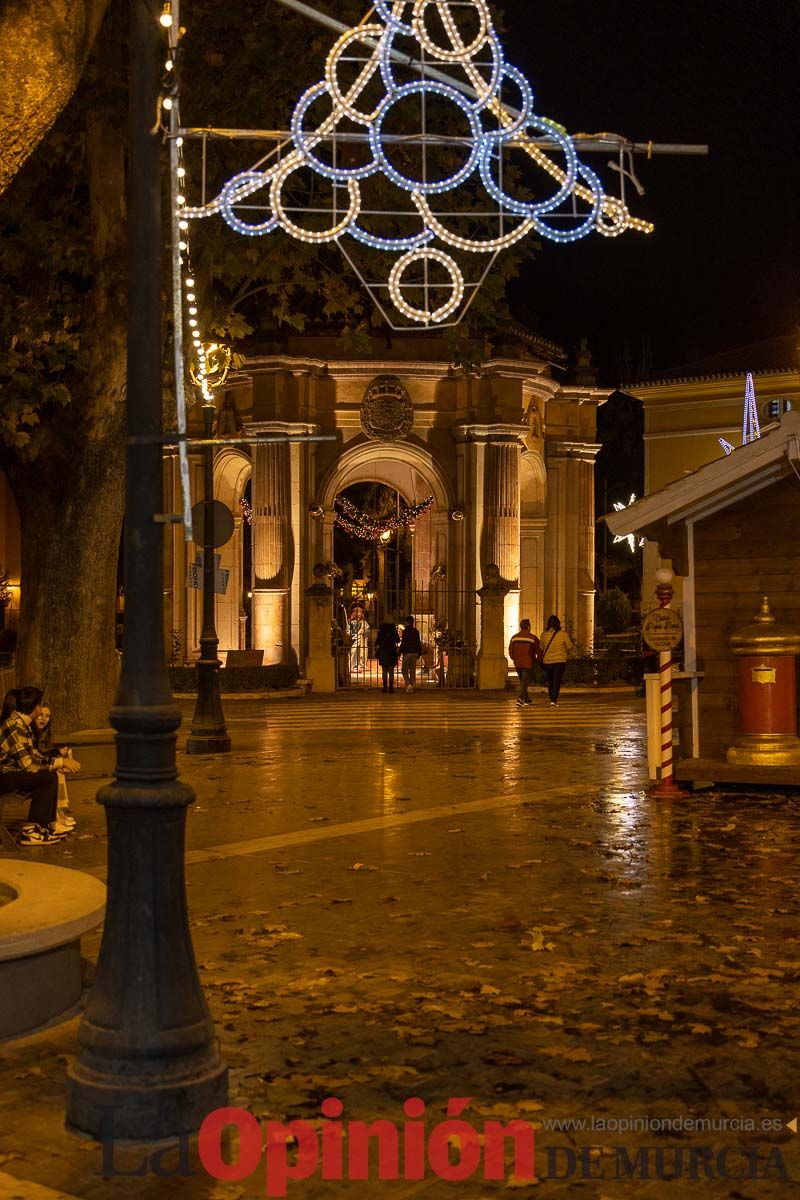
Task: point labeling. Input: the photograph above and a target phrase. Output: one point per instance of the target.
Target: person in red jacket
(523, 650)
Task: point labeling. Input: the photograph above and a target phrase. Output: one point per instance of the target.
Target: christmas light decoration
(359, 525)
(492, 129)
(751, 429)
(247, 512)
(630, 538)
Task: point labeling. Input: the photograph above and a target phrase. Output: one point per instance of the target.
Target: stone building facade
(507, 453)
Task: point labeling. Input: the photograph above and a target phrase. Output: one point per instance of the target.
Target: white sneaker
(66, 819)
(61, 828)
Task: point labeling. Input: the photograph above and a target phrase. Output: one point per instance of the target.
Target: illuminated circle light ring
(485, 89)
(613, 218)
(295, 162)
(458, 51)
(346, 102)
(472, 245)
(412, 185)
(522, 208)
(525, 114)
(301, 138)
(393, 245)
(578, 231)
(238, 189)
(426, 316)
(386, 8)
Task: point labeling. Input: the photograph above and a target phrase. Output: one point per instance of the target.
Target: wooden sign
(662, 629)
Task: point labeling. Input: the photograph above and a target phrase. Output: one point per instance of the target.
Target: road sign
(662, 629)
(194, 575)
(223, 523)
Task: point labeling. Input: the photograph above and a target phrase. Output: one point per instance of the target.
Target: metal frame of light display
(576, 205)
(751, 429)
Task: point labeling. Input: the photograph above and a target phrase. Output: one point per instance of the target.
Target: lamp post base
(212, 743)
(149, 1104)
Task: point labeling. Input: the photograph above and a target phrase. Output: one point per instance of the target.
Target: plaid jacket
(17, 748)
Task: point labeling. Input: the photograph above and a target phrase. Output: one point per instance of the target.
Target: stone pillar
(492, 663)
(271, 551)
(501, 523)
(570, 537)
(320, 664)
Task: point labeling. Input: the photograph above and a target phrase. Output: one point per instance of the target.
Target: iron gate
(446, 623)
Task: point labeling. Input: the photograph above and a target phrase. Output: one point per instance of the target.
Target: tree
(44, 45)
(62, 371)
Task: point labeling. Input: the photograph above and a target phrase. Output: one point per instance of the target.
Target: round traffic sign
(662, 629)
(222, 524)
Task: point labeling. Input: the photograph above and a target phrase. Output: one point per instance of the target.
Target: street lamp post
(148, 1066)
(208, 734)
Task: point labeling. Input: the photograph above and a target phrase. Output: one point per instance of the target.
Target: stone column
(501, 523)
(320, 664)
(271, 551)
(570, 537)
(492, 663)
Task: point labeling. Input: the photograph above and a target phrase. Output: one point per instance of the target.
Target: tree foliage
(43, 50)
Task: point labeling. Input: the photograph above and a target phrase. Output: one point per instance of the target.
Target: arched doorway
(410, 567)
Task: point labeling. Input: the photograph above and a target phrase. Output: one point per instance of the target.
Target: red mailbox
(765, 653)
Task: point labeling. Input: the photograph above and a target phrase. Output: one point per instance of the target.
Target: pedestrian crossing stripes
(593, 715)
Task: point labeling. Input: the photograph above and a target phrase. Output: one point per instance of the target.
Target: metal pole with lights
(149, 1065)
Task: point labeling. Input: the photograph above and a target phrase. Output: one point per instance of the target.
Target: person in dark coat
(386, 645)
(410, 648)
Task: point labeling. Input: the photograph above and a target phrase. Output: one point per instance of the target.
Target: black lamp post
(149, 1066)
(208, 734)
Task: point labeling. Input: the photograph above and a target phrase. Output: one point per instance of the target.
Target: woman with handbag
(555, 644)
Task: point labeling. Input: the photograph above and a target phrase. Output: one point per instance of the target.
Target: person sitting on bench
(24, 769)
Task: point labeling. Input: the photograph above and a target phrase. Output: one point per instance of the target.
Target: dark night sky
(721, 270)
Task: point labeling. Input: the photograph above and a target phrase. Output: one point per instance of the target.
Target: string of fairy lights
(365, 528)
(211, 361)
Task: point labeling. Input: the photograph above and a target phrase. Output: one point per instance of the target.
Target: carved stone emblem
(387, 414)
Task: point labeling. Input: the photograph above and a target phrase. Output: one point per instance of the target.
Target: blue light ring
(385, 11)
(299, 135)
(526, 113)
(586, 227)
(391, 245)
(410, 185)
(236, 189)
(521, 208)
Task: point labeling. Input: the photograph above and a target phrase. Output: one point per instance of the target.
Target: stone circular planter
(43, 913)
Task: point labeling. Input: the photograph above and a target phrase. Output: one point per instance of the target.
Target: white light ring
(386, 10)
(412, 185)
(234, 191)
(614, 217)
(419, 314)
(294, 163)
(590, 223)
(526, 112)
(568, 177)
(301, 139)
(393, 245)
(345, 103)
(460, 52)
(485, 89)
(470, 244)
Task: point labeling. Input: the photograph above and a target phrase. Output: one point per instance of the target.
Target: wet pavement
(445, 896)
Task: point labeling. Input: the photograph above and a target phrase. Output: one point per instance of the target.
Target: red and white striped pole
(666, 785)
